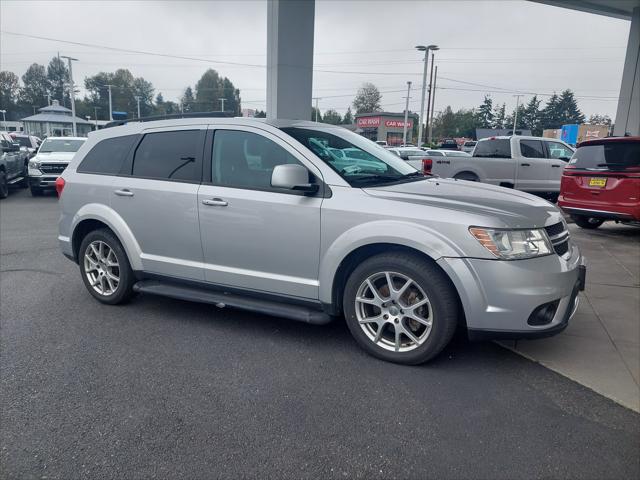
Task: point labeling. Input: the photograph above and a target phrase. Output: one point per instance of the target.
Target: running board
(223, 299)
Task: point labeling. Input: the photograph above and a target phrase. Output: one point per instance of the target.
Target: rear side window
(496, 148)
(107, 156)
(532, 149)
(169, 156)
(608, 156)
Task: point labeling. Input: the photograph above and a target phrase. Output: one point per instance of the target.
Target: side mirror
(292, 177)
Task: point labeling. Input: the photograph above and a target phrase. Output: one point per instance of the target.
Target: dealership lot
(167, 388)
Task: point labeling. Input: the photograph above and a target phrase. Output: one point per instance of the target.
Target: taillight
(59, 186)
(427, 163)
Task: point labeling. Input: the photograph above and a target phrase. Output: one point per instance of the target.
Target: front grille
(56, 168)
(559, 237)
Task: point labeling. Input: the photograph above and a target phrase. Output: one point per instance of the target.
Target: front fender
(396, 232)
(108, 216)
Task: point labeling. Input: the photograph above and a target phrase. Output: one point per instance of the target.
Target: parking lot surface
(170, 389)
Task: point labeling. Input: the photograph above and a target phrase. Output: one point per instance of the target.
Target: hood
(511, 208)
(55, 156)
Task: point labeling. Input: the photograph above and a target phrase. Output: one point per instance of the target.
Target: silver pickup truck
(531, 164)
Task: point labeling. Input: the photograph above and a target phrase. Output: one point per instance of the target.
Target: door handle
(555, 166)
(125, 192)
(215, 202)
(525, 165)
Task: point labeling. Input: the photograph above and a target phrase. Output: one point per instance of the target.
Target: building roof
(55, 107)
(54, 118)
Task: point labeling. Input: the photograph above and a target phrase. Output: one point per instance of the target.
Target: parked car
(468, 146)
(449, 144)
(52, 158)
(602, 182)
(250, 214)
(28, 143)
(12, 165)
(382, 143)
(423, 159)
(530, 164)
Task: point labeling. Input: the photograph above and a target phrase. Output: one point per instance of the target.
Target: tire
(428, 281)
(36, 192)
(99, 266)
(4, 186)
(590, 223)
(470, 177)
(24, 183)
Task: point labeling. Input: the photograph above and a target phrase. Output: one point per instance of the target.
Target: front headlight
(513, 244)
(34, 164)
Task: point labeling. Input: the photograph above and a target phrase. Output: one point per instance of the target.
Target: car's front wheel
(4, 186)
(400, 307)
(105, 268)
(587, 222)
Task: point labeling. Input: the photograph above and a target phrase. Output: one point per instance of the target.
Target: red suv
(602, 182)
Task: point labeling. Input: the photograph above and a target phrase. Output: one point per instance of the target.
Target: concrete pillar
(628, 114)
(290, 58)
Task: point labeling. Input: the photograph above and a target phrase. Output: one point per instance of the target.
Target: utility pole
(424, 49)
(317, 110)
(137, 97)
(4, 119)
(181, 107)
(95, 114)
(72, 94)
(427, 126)
(110, 105)
(49, 99)
(515, 115)
(406, 115)
(222, 100)
(433, 102)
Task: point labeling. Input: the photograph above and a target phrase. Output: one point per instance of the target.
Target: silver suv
(266, 216)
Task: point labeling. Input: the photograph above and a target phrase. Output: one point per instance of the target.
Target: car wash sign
(398, 124)
(368, 122)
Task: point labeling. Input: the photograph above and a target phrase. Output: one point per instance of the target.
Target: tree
(550, 114)
(208, 90)
(59, 80)
(188, 100)
(316, 114)
(348, 117)
(9, 89)
(568, 109)
(532, 117)
(332, 117)
(367, 99)
(484, 114)
(597, 119)
(500, 116)
(124, 88)
(35, 87)
(260, 114)
(455, 124)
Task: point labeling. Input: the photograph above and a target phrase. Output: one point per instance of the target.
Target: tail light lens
(59, 186)
(427, 164)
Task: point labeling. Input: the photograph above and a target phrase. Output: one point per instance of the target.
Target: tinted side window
(169, 156)
(532, 148)
(493, 148)
(559, 151)
(246, 160)
(107, 156)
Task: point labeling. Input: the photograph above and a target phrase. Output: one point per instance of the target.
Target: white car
(423, 159)
(469, 146)
(52, 158)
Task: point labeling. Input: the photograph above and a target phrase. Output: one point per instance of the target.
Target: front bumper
(43, 181)
(498, 296)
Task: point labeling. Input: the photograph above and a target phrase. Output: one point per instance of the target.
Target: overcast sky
(486, 47)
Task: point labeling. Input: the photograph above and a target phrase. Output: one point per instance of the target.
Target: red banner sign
(364, 122)
(398, 123)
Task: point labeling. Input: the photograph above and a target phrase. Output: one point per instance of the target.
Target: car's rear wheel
(469, 176)
(400, 307)
(105, 268)
(4, 186)
(590, 223)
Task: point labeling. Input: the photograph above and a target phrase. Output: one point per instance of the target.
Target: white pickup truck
(531, 164)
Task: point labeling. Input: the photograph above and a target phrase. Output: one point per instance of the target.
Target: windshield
(608, 156)
(60, 145)
(493, 148)
(23, 141)
(361, 163)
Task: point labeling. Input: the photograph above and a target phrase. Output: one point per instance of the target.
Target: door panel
(559, 155)
(533, 168)
(254, 236)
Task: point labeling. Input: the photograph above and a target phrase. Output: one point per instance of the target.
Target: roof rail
(116, 123)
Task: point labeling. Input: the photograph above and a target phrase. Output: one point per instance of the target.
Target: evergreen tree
(500, 116)
(315, 117)
(568, 109)
(9, 89)
(367, 99)
(35, 87)
(208, 90)
(260, 114)
(597, 119)
(59, 80)
(550, 114)
(332, 117)
(484, 114)
(188, 100)
(532, 116)
(348, 117)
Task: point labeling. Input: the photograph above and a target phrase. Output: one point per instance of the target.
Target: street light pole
(317, 110)
(515, 115)
(137, 97)
(428, 117)
(110, 105)
(406, 115)
(222, 100)
(433, 103)
(424, 49)
(72, 94)
(95, 114)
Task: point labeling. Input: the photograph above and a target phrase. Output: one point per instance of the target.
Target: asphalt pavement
(162, 388)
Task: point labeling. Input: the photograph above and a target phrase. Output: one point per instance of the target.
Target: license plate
(597, 182)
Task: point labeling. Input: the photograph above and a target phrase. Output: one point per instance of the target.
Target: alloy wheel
(393, 311)
(102, 268)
